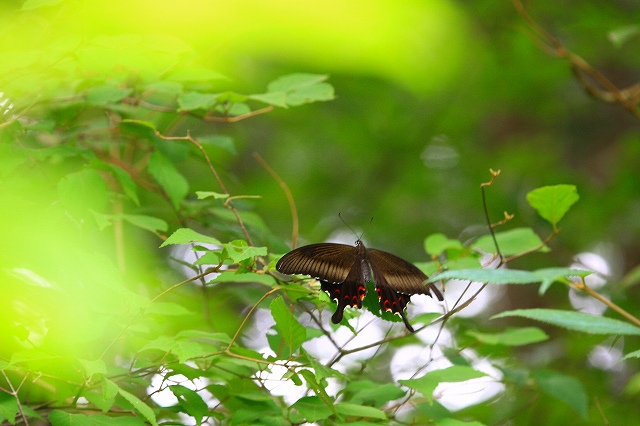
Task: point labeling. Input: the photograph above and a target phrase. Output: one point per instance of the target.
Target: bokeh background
(430, 94)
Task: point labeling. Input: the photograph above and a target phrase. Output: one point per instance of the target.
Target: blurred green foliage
(394, 111)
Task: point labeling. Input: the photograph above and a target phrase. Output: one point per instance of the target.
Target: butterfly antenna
(350, 228)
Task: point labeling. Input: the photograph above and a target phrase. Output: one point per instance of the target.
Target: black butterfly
(344, 270)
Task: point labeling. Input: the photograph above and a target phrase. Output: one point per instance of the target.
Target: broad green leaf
(295, 81)
(189, 236)
(139, 406)
(376, 394)
(550, 275)
(577, 321)
(224, 142)
(149, 223)
(513, 241)
(249, 277)
(166, 309)
(355, 410)
(127, 184)
(511, 336)
(315, 93)
(109, 388)
(428, 383)
(565, 388)
(312, 409)
(8, 407)
(169, 178)
(191, 402)
(97, 398)
(553, 202)
(634, 354)
(238, 251)
(493, 276)
(107, 94)
(435, 244)
(190, 101)
(278, 99)
(82, 192)
(293, 333)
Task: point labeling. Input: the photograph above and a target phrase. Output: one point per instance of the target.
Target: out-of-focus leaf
(565, 388)
(428, 383)
(620, 36)
(311, 408)
(577, 321)
(513, 241)
(511, 336)
(190, 101)
(169, 178)
(435, 244)
(293, 333)
(550, 275)
(355, 410)
(189, 236)
(492, 276)
(107, 94)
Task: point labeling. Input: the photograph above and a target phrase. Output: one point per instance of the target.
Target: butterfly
(344, 270)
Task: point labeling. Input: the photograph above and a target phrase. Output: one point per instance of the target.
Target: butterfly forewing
(326, 261)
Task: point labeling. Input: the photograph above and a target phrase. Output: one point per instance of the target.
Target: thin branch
(582, 286)
(287, 193)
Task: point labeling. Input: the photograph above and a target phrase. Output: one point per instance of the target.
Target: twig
(287, 193)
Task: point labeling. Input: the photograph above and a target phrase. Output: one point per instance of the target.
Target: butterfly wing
(402, 276)
(338, 268)
(325, 261)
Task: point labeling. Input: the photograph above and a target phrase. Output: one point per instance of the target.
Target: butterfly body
(344, 270)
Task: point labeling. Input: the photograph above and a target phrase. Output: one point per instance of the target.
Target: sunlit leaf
(189, 236)
(576, 321)
(190, 101)
(493, 276)
(511, 336)
(191, 402)
(513, 241)
(149, 223)
(238, 251)
(311, 408)
(83, 191)
(355, 410)
(550, 275)
(553, 202)
(139, 406)
(107, 94)
(435, 244)
(127, 184)
(249, 277)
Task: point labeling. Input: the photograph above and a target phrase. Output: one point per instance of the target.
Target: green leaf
(565, 388)
(190, 101)
(238, 251)
(82, 192)
(550, 275)
(140, 123)
(169, 178)
(142, 408)
(634, 354)
(194, 74)
(577, 321)
(428, 383)
(126, 183)
(296, 89)
(293, 333)
(513, 241)
(189, 236)
(312, 409)
(149, 223)
(493, 276)
(553, 202)
(435, 244)
(107, 94)
(249, 277)
(8, 407)
(206, 194)
(511, 336)
(191, 402)
(355, 410)
(376, 394)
